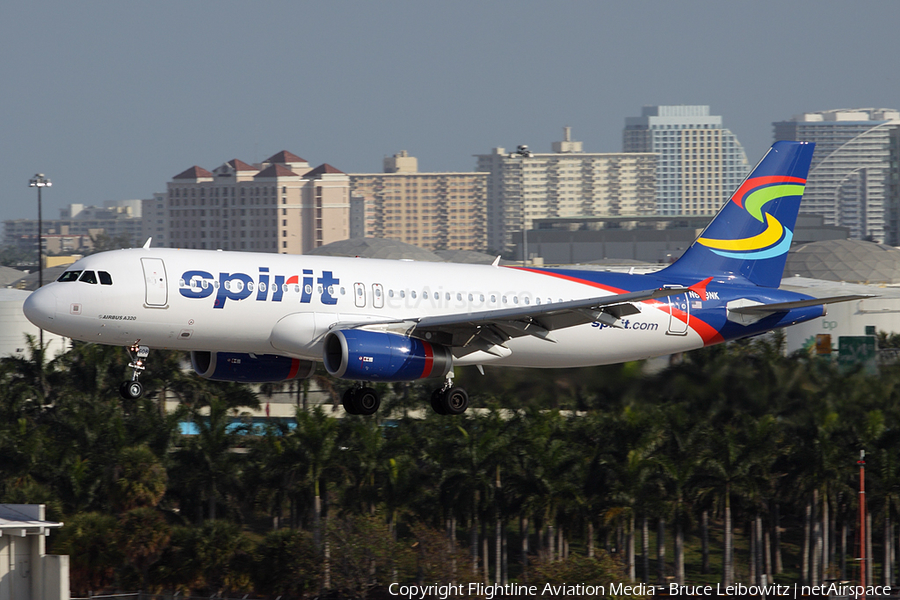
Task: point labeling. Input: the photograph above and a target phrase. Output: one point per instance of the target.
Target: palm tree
(679, 462)
(316, 440)
(207, 456)
(476, 449)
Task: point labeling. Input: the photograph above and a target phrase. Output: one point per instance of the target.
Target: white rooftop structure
(26, 571)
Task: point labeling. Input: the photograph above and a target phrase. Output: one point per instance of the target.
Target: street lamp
(40, 182)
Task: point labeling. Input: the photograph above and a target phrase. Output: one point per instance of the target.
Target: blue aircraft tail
(751, 234)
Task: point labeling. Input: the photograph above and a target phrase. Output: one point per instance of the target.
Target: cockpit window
(88, 277)
(105, 278)
(69, 276)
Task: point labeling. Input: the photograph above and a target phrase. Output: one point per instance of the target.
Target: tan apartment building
(431, 210)
(280, 205)
(523, 186)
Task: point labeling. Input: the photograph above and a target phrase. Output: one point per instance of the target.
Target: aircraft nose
(40, 307)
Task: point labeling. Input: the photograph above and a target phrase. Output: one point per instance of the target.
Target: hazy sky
(112, 98)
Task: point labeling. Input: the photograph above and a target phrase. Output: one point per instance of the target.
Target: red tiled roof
(239, 165)
(275, 171)
(323, 169)
(285, 157)
(194, 172)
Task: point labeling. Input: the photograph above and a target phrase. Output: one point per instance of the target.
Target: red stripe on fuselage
(707, 332)
(429, 360)
(295, 367)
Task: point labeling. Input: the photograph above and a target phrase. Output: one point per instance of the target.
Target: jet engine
(250, 368)
(378, 356)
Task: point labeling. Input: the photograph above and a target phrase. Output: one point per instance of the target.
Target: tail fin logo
(753, 196)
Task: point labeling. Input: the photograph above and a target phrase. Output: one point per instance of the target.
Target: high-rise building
(850, 180)
(700, 162)
(568, 182)
(432, 210)
(282, 205)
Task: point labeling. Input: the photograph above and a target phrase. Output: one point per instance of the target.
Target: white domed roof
(853, 261)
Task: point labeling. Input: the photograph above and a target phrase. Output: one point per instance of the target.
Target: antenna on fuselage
(147, 243)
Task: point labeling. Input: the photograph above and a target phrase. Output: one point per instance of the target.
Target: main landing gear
(449, 400)
(361, 401)
(445, 400)
(132, 390)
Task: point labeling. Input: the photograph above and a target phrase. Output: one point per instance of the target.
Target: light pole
(40, 182)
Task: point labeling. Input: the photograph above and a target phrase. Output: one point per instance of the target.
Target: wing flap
(491, 329)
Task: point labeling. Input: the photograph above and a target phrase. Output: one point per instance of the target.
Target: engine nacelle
(250, 368)
(378, 356)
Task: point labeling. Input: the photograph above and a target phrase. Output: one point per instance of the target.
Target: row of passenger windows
(101, 277)
(236, 285)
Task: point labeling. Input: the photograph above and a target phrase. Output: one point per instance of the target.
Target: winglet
(699, 288)
(147, 243)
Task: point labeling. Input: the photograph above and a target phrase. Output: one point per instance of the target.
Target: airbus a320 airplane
(256, 317)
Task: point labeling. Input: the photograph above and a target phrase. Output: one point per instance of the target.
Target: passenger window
(69, 276)
(106, 278)
(88, 277)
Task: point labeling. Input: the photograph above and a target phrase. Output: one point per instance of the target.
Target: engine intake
(250, 368)
(378, 356)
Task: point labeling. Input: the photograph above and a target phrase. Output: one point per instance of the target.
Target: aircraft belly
(590, 345)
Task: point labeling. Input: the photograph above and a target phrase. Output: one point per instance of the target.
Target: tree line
(731, 464)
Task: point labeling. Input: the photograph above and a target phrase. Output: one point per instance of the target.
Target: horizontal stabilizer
(767, 309)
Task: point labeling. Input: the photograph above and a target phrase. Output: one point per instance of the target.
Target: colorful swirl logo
(752, 197)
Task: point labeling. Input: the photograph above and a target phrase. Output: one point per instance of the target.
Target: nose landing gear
(131, 390)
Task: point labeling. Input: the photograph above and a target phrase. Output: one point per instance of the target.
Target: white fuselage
(285, 304)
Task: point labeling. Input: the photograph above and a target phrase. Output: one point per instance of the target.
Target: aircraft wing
(489, 330)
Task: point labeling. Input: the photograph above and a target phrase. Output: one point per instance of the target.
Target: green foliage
(737, 430)
(601, 570)
(139, 479)
(286, 563)
(212, 558)
(94, 560)
(11, 256)
(141, 536)
(364, 554)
